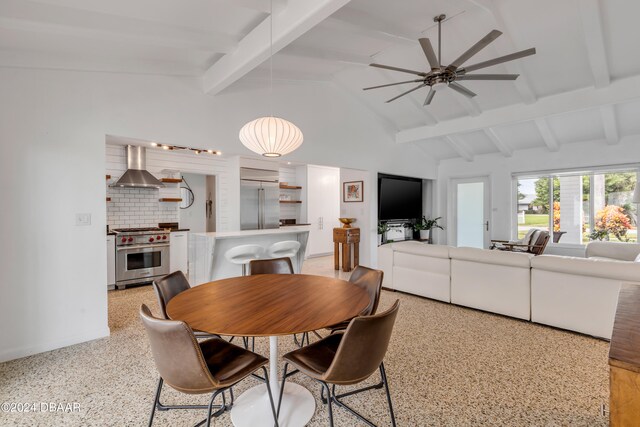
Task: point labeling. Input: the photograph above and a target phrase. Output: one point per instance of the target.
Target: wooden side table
(346, 237)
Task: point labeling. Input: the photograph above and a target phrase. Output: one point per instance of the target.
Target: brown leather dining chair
(271, 266)
(371, 281)
(167, 288)
(347, 358)
(192, 367)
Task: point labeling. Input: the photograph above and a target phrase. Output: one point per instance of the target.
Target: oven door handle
(123, 248)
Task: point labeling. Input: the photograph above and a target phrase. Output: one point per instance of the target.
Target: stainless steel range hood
(136, 174)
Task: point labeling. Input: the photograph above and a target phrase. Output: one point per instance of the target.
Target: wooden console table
(346, 237)
(624, 359)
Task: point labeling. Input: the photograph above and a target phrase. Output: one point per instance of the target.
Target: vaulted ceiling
(582, 85)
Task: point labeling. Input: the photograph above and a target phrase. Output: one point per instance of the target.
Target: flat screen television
(399, 197)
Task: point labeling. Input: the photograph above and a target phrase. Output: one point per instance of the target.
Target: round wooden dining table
(269, 305)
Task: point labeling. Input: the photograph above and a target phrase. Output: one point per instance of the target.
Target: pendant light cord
(271, 55)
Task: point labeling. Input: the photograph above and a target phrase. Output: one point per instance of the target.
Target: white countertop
(247, 233)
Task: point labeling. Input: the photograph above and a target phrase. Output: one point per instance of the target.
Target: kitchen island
(207, 250)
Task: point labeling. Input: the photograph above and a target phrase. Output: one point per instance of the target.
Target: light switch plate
(83, 219)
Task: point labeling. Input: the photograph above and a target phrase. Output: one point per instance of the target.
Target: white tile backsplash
(139, 207)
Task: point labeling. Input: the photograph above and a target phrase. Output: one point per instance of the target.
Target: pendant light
(271, 136)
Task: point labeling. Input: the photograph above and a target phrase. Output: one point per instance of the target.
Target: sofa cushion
(606, 269)
(417, 248)
(484, 256)
(613, 250)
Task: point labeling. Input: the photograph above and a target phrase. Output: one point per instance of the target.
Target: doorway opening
(198, 206)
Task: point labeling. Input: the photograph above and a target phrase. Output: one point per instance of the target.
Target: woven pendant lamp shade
(271, 136)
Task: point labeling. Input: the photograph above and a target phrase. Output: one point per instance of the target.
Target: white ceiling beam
(522, 83)
(498, 142)
(298, 17)
(611, 133)
(463, 151)
(323, 54)
(618, 91)
(594, 37)
(547, 135)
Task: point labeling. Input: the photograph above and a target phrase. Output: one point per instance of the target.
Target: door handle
(486, 225)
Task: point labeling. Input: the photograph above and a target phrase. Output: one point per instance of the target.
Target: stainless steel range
(142, 254)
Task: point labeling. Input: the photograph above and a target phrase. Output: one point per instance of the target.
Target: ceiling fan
(439, 76)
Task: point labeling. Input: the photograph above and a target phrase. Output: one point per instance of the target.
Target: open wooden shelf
(290, 201)
(290, 187)
(171, 199)
(171, 180)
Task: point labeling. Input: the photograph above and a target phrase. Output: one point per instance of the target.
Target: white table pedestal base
(252, 409)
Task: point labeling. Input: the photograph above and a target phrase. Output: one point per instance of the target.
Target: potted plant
(425, 225)
(382, 229)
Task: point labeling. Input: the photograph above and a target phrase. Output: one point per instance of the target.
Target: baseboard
(321, 255)
(18, 353)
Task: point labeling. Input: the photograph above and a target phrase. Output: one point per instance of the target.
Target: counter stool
(243, 255)
(286, 249)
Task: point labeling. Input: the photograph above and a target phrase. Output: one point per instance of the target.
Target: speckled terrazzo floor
(447, 366)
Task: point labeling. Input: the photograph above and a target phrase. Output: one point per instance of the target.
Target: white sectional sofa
(612, 251)
(495, 281)
(417, 268)
(578, 294)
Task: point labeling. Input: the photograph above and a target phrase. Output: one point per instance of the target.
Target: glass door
(471, 212)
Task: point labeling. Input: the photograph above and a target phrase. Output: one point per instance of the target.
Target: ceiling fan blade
(407, 92)
(500, 60)
(463, 90)
(484, 42)
(429, 53)
(392, 84)
(429, 97)
(487, 77)
(403, 70)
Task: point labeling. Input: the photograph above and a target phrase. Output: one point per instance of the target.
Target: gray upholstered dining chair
(192, 367)
(347, 358)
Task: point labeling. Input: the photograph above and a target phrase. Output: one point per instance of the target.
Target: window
(578, 206)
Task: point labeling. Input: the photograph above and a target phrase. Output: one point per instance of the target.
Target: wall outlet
(83, 219)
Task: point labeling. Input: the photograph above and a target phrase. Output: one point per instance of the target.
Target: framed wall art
(352, 191)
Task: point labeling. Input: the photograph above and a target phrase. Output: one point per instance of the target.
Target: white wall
(360, 211)
(53, 126)
(194, 217)
(500, 170)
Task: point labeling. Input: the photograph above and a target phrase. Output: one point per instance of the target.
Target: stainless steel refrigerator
(259, 199)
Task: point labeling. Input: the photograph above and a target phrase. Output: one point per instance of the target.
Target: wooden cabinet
(111, 262)
(323, 208)
(179, 252)
(349, 240)
(624, 359)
